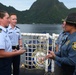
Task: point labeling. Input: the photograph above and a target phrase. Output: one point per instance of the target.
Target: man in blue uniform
(5, 46)
(67, 54)
(16, 40)
(62, 37)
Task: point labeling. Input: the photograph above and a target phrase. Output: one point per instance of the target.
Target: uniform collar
(11, 27)
(3, 28)
(65, 33)
(72, 35)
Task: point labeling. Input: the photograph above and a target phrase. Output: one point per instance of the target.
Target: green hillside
(42, 12)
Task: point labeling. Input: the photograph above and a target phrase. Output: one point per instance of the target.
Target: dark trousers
(58, 70)
(5, 66)
(16, 64)
(68, 70)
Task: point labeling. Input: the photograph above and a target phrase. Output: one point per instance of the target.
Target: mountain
(11, 9)
(72, 10)
(42, 12)
(47, 11)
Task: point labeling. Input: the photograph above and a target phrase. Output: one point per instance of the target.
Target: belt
(15, 47)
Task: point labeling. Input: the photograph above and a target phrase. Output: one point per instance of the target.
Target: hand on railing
(51, 55)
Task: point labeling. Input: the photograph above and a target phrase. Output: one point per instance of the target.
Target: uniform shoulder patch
(17, 27)
(74, 45)
(67, 42)
(0, 30)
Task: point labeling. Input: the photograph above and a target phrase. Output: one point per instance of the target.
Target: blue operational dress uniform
(15, 36)
(67, 55)
(5, 44)
(62, 37)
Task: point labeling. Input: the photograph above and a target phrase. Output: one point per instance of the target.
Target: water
(40, 28)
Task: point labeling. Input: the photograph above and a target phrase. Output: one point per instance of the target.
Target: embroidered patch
(74, 45)
(10, 32)
(67, 42)
(17, 32)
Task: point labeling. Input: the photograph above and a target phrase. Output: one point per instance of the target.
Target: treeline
(41, 12)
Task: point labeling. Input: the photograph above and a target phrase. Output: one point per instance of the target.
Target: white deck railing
(37, 46)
